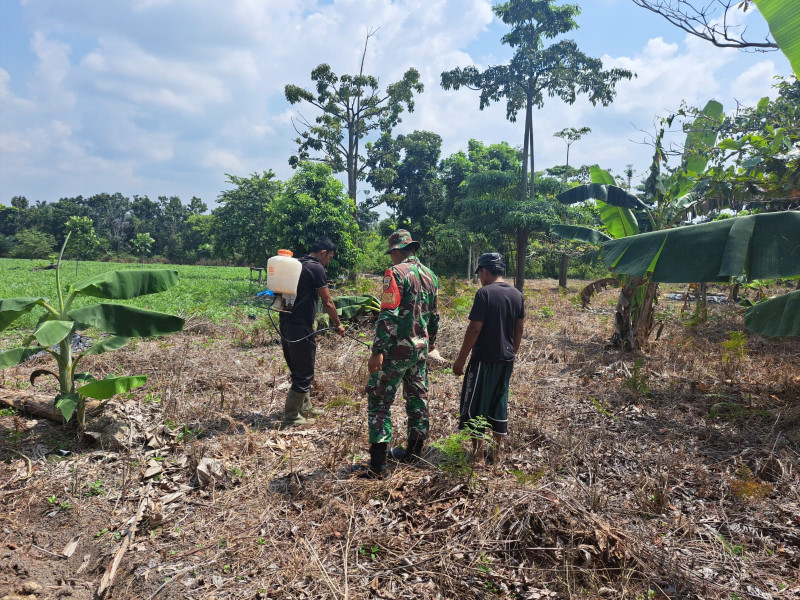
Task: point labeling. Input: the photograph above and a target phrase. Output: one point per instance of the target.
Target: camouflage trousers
(381, 391)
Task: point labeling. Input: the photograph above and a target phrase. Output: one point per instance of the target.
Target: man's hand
(340, 330)
(458, 366)
(375, 363)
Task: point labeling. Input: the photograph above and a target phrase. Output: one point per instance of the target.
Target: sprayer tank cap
(285, 252)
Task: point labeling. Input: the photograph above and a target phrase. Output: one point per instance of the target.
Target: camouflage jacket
(409, 317)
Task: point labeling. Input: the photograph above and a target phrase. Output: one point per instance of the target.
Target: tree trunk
(633, 319)
(525, 150)
(533, 170)
(563, 267)
(623, 330)
(522, 251)
(644, 315)
(352, 166)
(36, 404)
(469, 264)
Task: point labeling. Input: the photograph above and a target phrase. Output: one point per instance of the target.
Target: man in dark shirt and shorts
(297, 329)
(494, 334)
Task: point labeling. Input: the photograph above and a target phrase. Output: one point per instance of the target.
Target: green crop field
(212, 293)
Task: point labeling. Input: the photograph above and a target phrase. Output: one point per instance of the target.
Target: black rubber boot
(377, 459)
(376, 469)
(411, 453)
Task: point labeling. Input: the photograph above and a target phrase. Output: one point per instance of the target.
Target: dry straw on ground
(671, 474)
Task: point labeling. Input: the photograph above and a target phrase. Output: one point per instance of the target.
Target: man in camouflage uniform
(405, 333)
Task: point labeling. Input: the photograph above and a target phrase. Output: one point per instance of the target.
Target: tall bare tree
(351, 107)
(559, 69)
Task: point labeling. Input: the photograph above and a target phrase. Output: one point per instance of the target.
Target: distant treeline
(260, 214)
(179, 231)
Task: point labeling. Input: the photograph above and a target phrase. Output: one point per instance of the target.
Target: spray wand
(271, 295)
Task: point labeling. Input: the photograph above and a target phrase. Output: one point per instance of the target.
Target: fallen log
(36, 404)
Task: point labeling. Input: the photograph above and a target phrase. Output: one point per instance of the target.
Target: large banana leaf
(107, 345)
(349, 306)
(609, 194)
(127, 321)
(12, 357)
(783, 18)
(614, 203)
(52, 332)
(598, 175)
(701, 138)
(122, 285)
(762, 246)
(13, 308)
(102, 389)
(775, 317)
(576, 233)
(619, 221)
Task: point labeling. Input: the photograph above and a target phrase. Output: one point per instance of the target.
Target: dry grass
(687, 491)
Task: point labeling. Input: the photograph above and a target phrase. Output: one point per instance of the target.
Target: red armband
(391, 293)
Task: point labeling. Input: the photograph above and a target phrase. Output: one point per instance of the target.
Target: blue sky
(163, 97)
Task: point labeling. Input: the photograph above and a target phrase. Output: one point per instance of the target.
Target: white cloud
(119, 68)
(8, 98)
(224, 160)
(754, 83)
(164, 96)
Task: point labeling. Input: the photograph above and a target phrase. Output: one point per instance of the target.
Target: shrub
(32, 243)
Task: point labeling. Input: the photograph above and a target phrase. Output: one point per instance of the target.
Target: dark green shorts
(485, 393)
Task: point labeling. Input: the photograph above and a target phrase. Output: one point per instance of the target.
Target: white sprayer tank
(283, 273)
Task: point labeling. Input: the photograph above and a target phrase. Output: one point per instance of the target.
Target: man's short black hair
(321, 244)
(494, 270)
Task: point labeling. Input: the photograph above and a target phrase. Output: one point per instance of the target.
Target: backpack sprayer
(283, 274)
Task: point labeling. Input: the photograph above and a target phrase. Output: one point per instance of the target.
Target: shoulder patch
(390, 298)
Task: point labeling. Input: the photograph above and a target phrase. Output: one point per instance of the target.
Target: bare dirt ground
(667, 474)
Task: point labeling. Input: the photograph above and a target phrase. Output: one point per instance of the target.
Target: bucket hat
(490, 259)
(400, 239)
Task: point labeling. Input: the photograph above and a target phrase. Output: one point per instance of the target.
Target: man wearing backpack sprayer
(405, 333)
(301, 354)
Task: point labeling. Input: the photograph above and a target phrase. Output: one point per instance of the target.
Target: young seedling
(57, 326)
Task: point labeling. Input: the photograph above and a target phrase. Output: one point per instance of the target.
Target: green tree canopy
(240, 227)
(407, 176)
(32, 243)
(313, 204)
(83, 242)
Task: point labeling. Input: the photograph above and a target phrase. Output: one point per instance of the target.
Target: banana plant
(349, 307)
(616, 207)
(60, 321)
(776, 316)
(668, 198)
(761, 246)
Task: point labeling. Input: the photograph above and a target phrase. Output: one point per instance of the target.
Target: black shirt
(312, 278)
(498, 306)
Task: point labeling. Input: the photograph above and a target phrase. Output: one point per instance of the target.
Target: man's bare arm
(330, 308)
(518, 334)
(470, 337)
